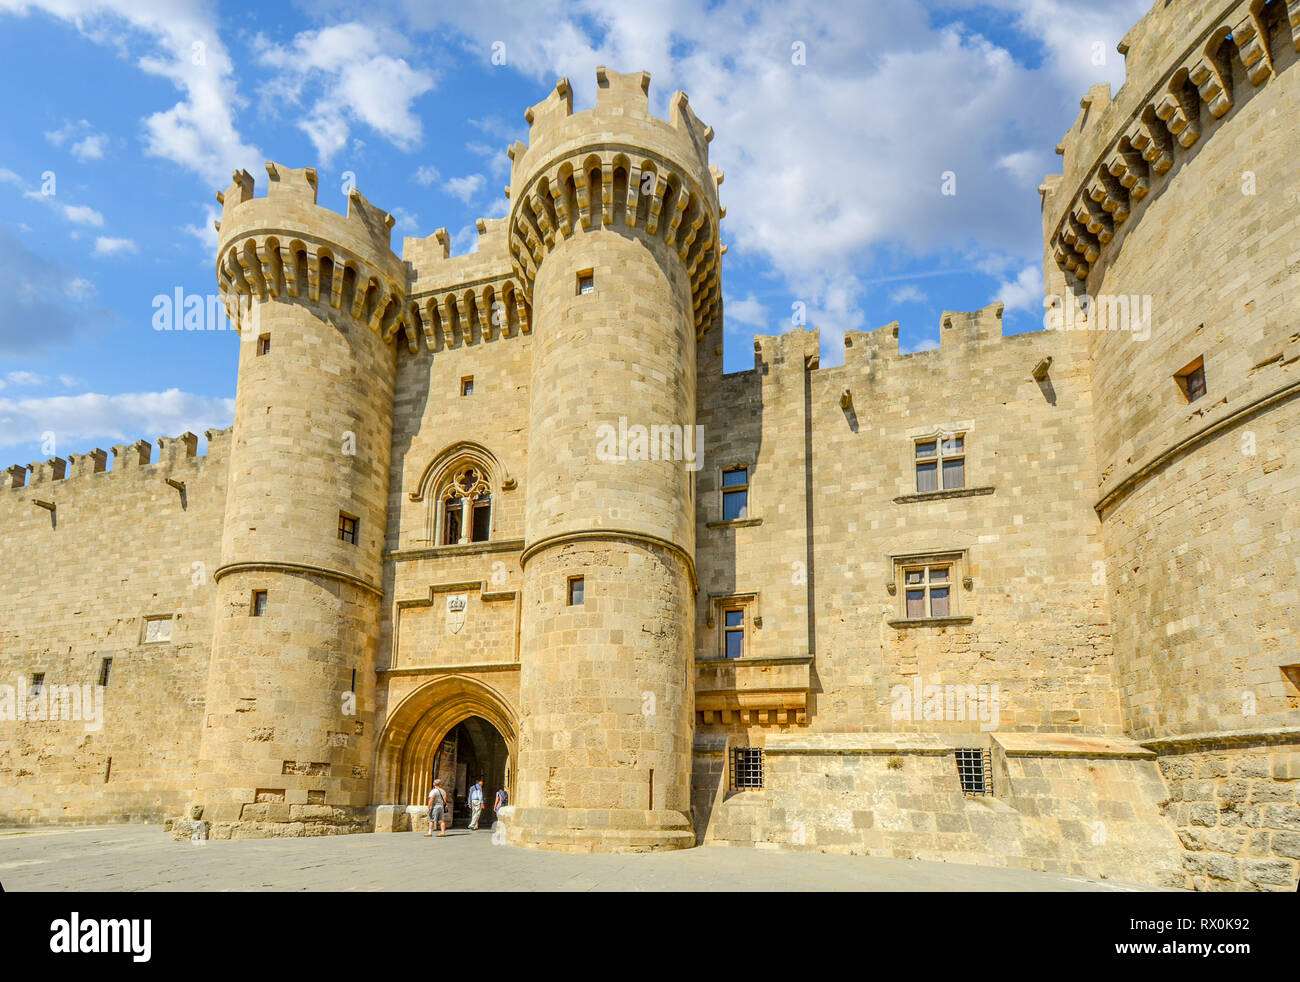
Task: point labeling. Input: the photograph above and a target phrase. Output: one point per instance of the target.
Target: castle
(1026, 601)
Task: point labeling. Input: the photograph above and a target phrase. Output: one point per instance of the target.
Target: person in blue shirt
(475, 803)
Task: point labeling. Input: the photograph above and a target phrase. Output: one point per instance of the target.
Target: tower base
(598, 829)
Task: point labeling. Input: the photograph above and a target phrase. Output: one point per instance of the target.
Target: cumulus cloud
(111, 418)
(83, 142)
(1025, 292)
(749, 312)
(344, 74)
(180, 42)
(465, 188)
(426, 176)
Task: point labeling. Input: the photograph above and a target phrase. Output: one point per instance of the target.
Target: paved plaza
(143, 857)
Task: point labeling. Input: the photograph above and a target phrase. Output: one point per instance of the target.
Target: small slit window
(746, 767)
(1191, 380)
(586, 283)
(258, 605)
(577, 591)
(348, 527)
(467, 385)
(105, 671)
(38, 683)
(264, 345)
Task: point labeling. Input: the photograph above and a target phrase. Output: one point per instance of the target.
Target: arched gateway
(444, 723)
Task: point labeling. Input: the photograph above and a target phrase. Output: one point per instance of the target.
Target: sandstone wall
(79, 585)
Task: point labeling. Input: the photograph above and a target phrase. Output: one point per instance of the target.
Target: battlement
(1177, 92)
(617, 165)
(175, 454)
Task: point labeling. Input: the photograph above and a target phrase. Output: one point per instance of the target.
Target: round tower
(316, 296)
(614, 235)
(1170, 218)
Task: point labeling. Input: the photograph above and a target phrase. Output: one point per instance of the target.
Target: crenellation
(1089, 560)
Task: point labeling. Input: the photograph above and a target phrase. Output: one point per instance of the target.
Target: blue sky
(125, 117)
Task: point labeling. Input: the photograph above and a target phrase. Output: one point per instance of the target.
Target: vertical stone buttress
(288, 738)
(607, 687)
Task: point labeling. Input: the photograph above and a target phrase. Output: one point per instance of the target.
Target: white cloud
(180, 43)
(353, 78)
(205, 232)
(750, 312)
(465, 188)
(925, 344)
(9, 177)
(107, 246)
(907, 294)
(498, 162)
(1025, 292)
(112, 418)
(426, 176)
(405, 221)
(77, 214)
(90, 146)
(833, 162)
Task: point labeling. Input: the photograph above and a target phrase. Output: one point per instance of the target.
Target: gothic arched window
(466, 508)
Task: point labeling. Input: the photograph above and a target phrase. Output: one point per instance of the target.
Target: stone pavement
(143, 857)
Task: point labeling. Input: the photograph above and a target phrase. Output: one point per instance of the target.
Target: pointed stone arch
(422, 720)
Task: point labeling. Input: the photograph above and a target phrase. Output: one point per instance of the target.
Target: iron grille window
(975, 770)
(747, 767)
(105, 669)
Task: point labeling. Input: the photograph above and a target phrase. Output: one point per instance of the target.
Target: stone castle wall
(81, 584)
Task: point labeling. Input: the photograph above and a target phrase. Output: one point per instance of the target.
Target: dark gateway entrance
(472, 749)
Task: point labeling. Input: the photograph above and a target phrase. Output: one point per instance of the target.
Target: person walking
(437, 809)
(502, 799)
(475, 803)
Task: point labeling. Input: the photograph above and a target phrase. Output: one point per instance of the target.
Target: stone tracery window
(466, 508)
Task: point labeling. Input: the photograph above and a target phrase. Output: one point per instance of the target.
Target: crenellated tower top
(617, 164)
(286, 245)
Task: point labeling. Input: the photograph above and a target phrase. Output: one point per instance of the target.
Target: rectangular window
(264, 344)
(1191, 380)
(586, 283)
(105, 670)
(38, 683)
(746, 767)
(157, 629)
(258, 606)
(974, 771)
(348, 527)
(735, 494)
(467, 385)
(733, 633)
(482, 515)
(944, 458)
(577, 589)
(453, 515)
(928, 591)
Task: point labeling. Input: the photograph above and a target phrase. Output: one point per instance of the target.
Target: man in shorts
(437, 809)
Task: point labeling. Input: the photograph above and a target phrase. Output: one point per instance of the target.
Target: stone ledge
(1070, 745)
(905, 499)
(470, 549)
(1223, 739)
(735, 523)
(848, 744)
(932, 622)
